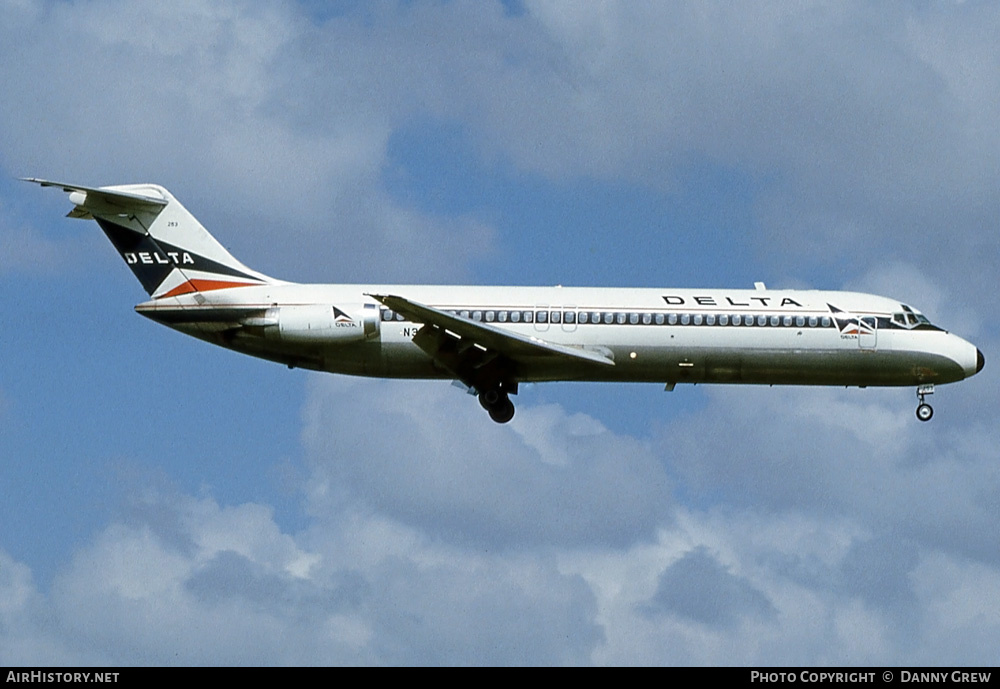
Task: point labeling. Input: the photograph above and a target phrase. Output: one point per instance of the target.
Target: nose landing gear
(924, 410)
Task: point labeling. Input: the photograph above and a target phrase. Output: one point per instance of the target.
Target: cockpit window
(909, 318)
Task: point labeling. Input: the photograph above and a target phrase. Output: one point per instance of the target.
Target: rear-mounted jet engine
(318, 323)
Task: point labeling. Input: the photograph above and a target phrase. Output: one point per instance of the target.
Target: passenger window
(620, 318)
(697, 319)
(813, 321)
(800, 321)
(609, 317)
(502, 316)
(685, 318)
(786, 321)
(556, 317)
(659, 319)
(584, 317)
(633, 318)
(775, 321)
(825, 321)
(672, 319)
(463, 314)
(490, 316)
(748, 320)
(570, 317)
(723, 319)
(542, 317)
(647, 318)
(529, 316)
(710, 319)
(477, 315)
(515, 316)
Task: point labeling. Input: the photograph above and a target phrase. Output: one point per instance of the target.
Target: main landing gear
(924, 410)
(498, 404)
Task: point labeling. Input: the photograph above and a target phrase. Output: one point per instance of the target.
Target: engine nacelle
(320, 323)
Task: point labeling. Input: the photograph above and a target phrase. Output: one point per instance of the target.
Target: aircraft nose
(980, 360)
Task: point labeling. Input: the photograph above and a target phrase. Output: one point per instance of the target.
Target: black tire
(925, 412)
(502, 412)
(491, 398)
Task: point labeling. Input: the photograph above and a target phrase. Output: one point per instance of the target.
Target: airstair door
(867, 332)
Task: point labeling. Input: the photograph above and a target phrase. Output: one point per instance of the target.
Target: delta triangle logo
(849, 324)
(342, 320)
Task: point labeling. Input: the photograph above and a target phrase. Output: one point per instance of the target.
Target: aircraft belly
(762, 366)
(403, 359)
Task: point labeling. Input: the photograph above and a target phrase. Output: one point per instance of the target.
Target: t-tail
(168, 250)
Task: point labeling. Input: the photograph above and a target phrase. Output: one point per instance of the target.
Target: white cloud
(424, 454)
(210, 101)
(864, 126)
(185, 581)
(829, 452)
(416, 552)
(24, 249)
(699, 588)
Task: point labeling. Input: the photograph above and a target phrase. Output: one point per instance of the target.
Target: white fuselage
(493, 338)
(799, 337)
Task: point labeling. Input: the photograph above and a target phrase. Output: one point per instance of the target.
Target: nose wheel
(924, 410)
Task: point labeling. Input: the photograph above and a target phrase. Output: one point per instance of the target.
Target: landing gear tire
(491, 398)
(503, 412)
(498, 404)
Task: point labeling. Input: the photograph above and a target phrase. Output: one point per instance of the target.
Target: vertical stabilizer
(167, 249)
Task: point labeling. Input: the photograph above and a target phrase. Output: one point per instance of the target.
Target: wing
(472, 350)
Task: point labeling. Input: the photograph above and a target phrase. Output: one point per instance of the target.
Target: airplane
(491, 339)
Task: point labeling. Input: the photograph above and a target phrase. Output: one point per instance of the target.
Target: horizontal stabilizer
(106, 198)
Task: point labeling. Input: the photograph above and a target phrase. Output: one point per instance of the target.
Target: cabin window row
(633, 318)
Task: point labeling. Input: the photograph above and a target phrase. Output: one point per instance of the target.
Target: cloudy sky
(167, 502)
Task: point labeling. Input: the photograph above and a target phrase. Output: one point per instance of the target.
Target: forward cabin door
(867, 332)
